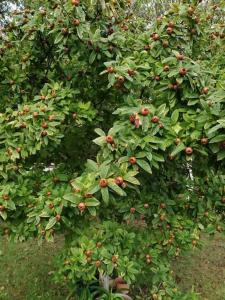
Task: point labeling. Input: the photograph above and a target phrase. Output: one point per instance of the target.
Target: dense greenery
(156, 95)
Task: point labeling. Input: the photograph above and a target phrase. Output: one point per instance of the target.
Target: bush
(156, 97)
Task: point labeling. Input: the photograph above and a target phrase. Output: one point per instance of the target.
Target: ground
(26, 270)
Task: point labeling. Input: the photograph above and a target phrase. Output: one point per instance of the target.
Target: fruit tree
(113, 134)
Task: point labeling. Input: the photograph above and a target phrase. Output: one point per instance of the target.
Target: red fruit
(103, 183)
(188, 150)
(44, 125)
(169, 30)
(155, 119)
(88, 253)
(183, 71)
(146, 205)
(179, 56)
(58, 218)
(119, 180)
(35, 114)
(88, 196)
(51, 205)
(75, 2)
(26, 109)
(132, 119)
(23, 125)
(110, 69)
(42, 97)
(161, 126)
(145, 111)
(147, 47)
(2, 207)
(155, 36)
(51, 118)
(49, 193)
(190, 10)
(114, 259)
(157, 78)
(131, 72)
(166, 68)
(120, 79)
(133, 160)
(204, 141)
(98, 264)
(64, 31)
(119, 280)
(81, 206)
(76, 22)
(132, 210)
(205, 90)
(223, 200)
(44, 133)
(109, 139)
(98, 244)
(170, 24)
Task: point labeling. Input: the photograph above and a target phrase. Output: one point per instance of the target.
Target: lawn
(26, 270)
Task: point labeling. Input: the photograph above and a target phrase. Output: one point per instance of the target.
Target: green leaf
(92, 165)
(131, 179)
(92, 202)
(175, 116)
(144, 165)
(71, 198)
(105, 195)
(92, 57)
(100, 132)
(99, 141)
(221, 155)
(51, 223)
(3, 214)
(117, 189)
(180, 147)
(104, 170)
(58, 38)
(218, 138)
(94, 189)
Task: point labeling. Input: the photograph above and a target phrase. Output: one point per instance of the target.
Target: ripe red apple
(155, 36)
(44, 133)
(119, 180)
(75, 2)
(5, 197)
(18, 149)
(76, 22)
(190, 10)
(64, 31)
(109, 139)
(166, 68)
(171, 24)
(103, 182)
(188, 150)
(35, 114)
(58, 218)
(145, 111)
(120, 79)
(205, 90)
(157, 78)
(114, 259)
(155, 119)
(132, 119)
(98, 264)
(133, 160)
(81, 206)
(2, 207)
(110, 69)
(44, 125)
(204, 140)
(132, 210)
(179, 56)
(169, 30)
(183, 71)
(51, 205)
(131, 72)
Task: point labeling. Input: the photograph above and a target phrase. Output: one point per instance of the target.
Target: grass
(203, 269)
(26, 270)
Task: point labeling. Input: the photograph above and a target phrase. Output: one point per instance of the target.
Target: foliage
(156, 97)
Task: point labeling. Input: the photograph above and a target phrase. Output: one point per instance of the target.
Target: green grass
(26, 270)
(203, 269)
